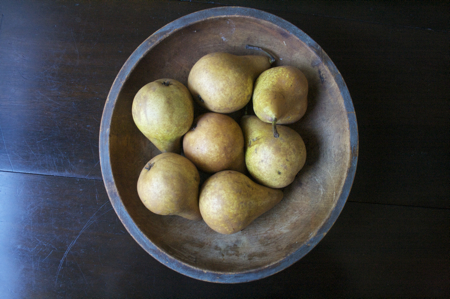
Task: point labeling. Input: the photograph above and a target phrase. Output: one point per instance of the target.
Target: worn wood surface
(58, 60)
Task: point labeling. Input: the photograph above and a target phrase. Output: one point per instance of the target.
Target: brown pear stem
(274, 128)
(271, 56)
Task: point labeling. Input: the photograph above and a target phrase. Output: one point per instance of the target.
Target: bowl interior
(308, 202)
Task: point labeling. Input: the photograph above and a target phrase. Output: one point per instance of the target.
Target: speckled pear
(280, 96)
(168, 185)
(223, 82)
(163, 111)
(230, 201)
(215, 143)
(272, 162)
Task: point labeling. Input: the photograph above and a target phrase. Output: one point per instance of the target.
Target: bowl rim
(108, 177)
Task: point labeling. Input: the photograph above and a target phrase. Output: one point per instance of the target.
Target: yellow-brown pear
(280, 96)
(272, 162)
(230, 201)
(163, 111)
(169, 185)
(223, 82)
(215, 143)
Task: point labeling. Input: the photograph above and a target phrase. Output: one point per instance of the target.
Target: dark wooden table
(60, 237)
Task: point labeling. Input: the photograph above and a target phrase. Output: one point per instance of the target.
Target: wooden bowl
(311, 203)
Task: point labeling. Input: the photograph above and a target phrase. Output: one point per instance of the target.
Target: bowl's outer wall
(312, 203)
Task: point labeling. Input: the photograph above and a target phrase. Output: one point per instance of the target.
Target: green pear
(223, 82)
(280, 96)
(163, 111)
(215, 143)
(272, 162)
(168, 185)
(230, 201)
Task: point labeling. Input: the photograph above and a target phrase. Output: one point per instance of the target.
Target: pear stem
(274, 128)
(150, 165)
(271, 57)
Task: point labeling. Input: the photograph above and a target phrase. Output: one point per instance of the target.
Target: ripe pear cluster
(248, 163)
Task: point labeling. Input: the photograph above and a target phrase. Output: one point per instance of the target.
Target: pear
(280, 96)
(168, 185)
(215, 143)
(163, 111)
(272, 162)
(230, 201)
(223, 82)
